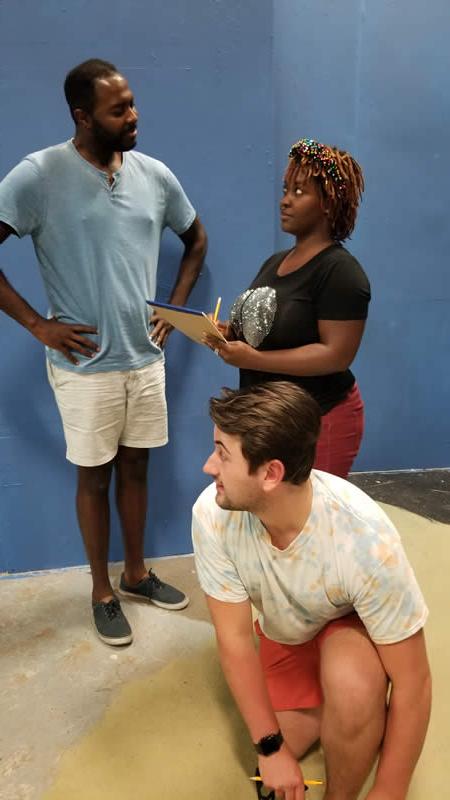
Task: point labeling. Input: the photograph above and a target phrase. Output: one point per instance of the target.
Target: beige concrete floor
(81, 720)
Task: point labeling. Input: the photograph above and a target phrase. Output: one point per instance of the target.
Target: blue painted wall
(223, 88)
(372, 77)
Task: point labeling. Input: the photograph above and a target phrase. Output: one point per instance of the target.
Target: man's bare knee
(355, 698)
(131, 463)
(354, 682)
(94, 480)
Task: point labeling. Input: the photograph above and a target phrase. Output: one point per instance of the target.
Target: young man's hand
(281, 772)
(65, 337)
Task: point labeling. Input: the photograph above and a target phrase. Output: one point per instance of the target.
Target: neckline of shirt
(92, 168)
(303, 535)
(281, 256)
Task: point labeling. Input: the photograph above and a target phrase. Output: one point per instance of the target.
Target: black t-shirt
(331, 286)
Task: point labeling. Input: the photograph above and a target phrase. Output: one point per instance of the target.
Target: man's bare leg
(93, 517)
(300, 728)
(131, 488)
(131, 464)
(354, 686)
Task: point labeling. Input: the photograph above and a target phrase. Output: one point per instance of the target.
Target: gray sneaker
(155, 591)
(111, 623)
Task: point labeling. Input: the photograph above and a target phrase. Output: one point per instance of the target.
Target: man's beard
(108, 141)
(248, 504)
(223, 502)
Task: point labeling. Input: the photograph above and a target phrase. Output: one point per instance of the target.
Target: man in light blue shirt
(96, 211)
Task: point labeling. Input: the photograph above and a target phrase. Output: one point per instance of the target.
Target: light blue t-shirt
(97, 244)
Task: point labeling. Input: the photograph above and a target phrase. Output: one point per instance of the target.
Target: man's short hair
(79, 85)
(274, 420)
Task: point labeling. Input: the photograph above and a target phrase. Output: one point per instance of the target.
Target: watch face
(270, 744)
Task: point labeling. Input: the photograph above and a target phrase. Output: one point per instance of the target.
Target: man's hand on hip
(66, 338)
(160, 330)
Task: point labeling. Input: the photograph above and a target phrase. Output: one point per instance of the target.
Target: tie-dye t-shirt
(348, 557)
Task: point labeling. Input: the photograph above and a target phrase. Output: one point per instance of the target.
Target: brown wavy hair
(273, 420)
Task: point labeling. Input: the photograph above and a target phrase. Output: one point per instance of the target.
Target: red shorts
(340, 435)
(292, 671)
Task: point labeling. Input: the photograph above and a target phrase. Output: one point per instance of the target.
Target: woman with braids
(303, 316)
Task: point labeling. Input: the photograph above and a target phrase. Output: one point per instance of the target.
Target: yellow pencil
(216, 312)
(307, 783)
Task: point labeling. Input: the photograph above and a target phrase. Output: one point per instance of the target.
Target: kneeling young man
(340, 614)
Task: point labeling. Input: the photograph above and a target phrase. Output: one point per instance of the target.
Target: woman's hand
(236, 354)
(225, 328)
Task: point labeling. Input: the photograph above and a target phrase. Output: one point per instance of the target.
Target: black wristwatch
(269, 744)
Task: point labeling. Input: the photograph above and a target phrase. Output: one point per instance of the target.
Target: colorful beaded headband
(321, 154)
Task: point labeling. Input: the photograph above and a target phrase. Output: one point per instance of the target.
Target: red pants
(340, 435)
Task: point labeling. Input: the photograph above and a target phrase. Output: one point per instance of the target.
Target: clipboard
(194, 324)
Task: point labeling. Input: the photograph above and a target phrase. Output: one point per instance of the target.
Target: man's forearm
(243, 672)
(407, 722)
(16, 307)
(190, 268)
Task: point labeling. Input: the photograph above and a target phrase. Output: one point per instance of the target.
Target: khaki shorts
(102, 410)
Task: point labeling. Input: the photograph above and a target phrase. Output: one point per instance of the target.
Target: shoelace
(112, 609)
(154, 579)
